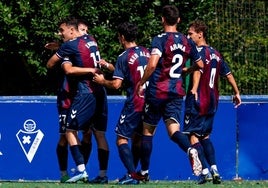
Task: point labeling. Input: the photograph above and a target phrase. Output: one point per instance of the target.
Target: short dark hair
(199, 26)
(129, 30)
(171, 14)
(82, 21)
(69, 21)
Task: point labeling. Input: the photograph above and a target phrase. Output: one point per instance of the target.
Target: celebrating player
(164, 94)
(129, 68)
(202, 100)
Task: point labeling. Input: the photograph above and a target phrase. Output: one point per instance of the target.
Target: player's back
(208, 90)
(82, 52)
(130, 67)
(174, 50)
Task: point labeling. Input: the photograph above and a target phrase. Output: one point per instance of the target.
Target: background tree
(239, 31)
(26, 26)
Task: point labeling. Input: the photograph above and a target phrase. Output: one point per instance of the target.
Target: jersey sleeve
(157, 47)
(194, 54)
(119, 67)
(224, 68)
(64, 50)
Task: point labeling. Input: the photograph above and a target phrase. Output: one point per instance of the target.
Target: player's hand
(104, 63)
(184, 72)
(237, 100)
(185, 69)
(140, 90)
(52, 46)
(98, 78)
(97, 71)
(195, 94)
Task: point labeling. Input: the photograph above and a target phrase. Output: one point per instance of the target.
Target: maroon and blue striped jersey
(64, 95)
(174, 50)
(130, 67)
(64, 92)
(81, 52)
(208, 89)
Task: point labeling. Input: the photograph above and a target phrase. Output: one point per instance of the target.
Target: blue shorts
(130, 122)
(81, 111)
(194, 123)
(156, 109)
(99, 119)
(63, 113)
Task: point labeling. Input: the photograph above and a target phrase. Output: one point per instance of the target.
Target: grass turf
(151, 184)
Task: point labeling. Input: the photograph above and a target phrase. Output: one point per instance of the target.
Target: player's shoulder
(88, 36)
(143, 48)
(69, 43)
(215, 51)
(122, 54)
(161, 35)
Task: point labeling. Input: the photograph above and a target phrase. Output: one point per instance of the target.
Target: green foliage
(26, 26)
(243, 44)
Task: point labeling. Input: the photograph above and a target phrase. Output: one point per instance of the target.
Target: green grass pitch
(151, 184)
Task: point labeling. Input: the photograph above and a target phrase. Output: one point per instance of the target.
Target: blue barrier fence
(29, 133)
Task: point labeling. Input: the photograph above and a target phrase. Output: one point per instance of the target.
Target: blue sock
(136, 149)
(77, 156)
(126, 157)
(209, 151)
(201, 154)
(103, 157)
(85, 149)
(62, 155)
(146, 150)
(182, 140)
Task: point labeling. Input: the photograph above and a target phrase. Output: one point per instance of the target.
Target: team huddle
(154, 81)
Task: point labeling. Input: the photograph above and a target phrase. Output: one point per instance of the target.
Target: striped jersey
(81, 52)
(130, 67)
(174, 50)
(64, 94)
(208, 89)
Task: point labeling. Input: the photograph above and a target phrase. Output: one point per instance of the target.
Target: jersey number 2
(177, 61)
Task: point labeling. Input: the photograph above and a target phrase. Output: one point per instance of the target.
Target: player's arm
(150, 68)
(232, 82)
(52, 61)
(196, 79)
(106, 65)
(113, 84)
(69, 69)
(52, 45)
(198, 65)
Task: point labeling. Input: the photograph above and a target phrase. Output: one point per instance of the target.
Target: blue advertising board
(29, 134)
(253, 148)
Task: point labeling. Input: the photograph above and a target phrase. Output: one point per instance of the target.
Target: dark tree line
(26, 26)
